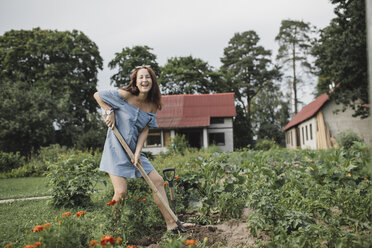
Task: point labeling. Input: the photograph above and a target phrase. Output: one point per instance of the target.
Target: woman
(133, 110)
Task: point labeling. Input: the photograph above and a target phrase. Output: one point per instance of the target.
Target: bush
(265, 145)
(71, 180)
(9, 161)
(178, 144)
(347, 138)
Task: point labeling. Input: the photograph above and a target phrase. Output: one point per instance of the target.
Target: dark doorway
(192, 136)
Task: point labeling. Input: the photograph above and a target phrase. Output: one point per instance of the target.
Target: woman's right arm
(109, 119)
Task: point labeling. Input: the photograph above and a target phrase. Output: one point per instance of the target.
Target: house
(204, 119)
(317, 125)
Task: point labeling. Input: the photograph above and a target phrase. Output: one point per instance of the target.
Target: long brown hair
(154, 95)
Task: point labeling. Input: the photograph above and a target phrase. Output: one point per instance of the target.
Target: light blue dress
(130, 121)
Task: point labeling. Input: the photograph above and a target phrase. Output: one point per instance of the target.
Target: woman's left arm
(141, 140)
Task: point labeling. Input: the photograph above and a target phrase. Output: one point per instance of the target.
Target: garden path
(24, 199)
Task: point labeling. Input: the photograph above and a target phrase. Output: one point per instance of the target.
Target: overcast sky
(201, 28)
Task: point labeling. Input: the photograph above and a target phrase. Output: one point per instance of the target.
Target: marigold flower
(213, 185)
(66, 214)
(80, 213)
(119, 240)
(93, 243)
(190, 242)
(176, 177)
(131, 246)
(365, 179)
(37, 244)
(29, 246)
(348, 175)
(38, 228)
(46, 225)
(138, 199)
(107, 239)
(165, 184)
(112, 202)
(144, 200)
(9, 246)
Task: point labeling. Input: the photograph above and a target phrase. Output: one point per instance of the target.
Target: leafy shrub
(178, 144)
(71, 180)
(347, 138)
(9, 161)
(265, 145)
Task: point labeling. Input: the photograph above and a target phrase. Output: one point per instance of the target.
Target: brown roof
(194, 110)
(308, 111)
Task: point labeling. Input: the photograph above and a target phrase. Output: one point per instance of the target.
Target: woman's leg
(120, 188)
(159, 184)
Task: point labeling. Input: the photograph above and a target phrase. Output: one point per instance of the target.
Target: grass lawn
(23, 187)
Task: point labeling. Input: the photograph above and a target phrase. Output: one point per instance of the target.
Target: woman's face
(144, 81)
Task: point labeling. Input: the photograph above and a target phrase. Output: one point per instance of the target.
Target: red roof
(194, 110)
(308, 111)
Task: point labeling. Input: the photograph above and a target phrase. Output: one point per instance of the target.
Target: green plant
(72, 180)
(9, 161)
(178, 144)
(265, 145)
(347, 138)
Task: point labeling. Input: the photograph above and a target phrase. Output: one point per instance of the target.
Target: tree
(294, 49)
(26, 119)
(188, 75)
(128, 59)
(341, 57)
(60, 66)
(248, 68)
(270, 114)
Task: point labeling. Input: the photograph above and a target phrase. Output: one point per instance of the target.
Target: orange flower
(119, 240)
(365, 179)
(176, 177)
(46, 225)
(131, 246)
(144, 200)
(38, 244)
(9, 246)
(348, 175)
(107, 239)
(93, 243)
(165, 184)
(112, 202)
(190, 242)
(138, 199)
(66, 214)
(80, 213)
(29, 246)
(38, 228)
(213, 185)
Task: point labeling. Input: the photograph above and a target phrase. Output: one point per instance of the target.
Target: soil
(230, 234)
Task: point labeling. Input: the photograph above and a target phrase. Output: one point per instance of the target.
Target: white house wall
(227, 129)
(290, 138)
(343, 121)
(307, 131)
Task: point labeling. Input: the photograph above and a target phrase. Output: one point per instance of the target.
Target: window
(217, 139)
(303, 136)
(291, 139)
(217, 120)
(311, 132)
(153, 139)
(307, 136)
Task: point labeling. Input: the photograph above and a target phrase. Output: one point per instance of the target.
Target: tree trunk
(294, 78)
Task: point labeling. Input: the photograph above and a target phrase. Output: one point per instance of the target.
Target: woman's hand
(110, 120)
(137, 159)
